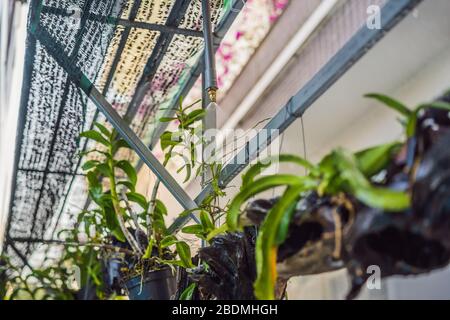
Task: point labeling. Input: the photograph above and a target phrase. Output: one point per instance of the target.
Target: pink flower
(239, 34)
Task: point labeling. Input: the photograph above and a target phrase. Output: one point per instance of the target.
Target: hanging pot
(231, 268)
(86, 293)
(432, 125)
(314, 241)
(393, 242)
(155, 285)
(112, 264)
(431, 191)
(416, 241)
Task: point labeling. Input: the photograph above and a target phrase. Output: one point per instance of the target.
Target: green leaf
(222, 229)
(127, 184)
(194, 116)
(167, 119)
(284, 223)
(181, 168)
(184, 252)
(138, 198)
(121, 143)
(178, 263)
(186, 213)
(168, 241)
(411, 125)
(129, 170)
(206, 221)
(96, 136)
(266, 245)
(158, 217)
(160, 208)
(169, 139)
(103, 169)
(188, 172)
(196, 229)
(372, 161)
(92, 177)
(256, 169)
(348, 169)
(188, 292)
(437, 105)
(103, 130)
(382, 198)
(259, 186)
(193, 155)
(89, 165)
(192, 104)
(96, 194)
(391, 103)
(149, 249)
(412, 121)
(111, 220)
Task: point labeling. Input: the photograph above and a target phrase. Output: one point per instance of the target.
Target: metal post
(209, 73)
(209, 84)
(209, 122)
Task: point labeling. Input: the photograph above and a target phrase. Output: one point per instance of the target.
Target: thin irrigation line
(305, 155)
(280, 149)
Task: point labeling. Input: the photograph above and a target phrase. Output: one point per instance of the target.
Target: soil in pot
(155, 285)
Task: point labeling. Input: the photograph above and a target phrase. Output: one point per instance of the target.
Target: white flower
(82, 237)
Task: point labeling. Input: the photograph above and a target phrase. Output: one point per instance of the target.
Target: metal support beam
(364, 40)
(141, 149)
(209, 84)
(159, 27)
(127, 23)
(10, 244)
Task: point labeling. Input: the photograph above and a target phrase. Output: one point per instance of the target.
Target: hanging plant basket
(387, 206)
(415, 241)
(231, 268)
(313, 244)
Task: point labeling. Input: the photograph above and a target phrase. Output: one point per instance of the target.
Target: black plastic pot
(156, 285)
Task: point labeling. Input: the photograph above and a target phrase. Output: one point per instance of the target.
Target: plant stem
(118, 209)
(153, 206)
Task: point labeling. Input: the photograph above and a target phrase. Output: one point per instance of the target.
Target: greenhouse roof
(141, 55)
